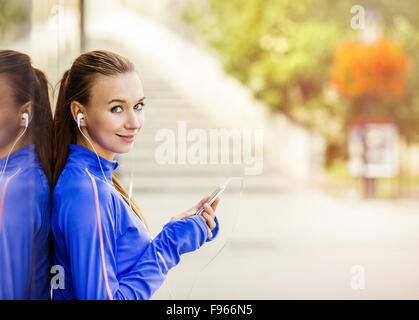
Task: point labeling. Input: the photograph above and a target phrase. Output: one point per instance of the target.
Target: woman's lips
(127, 138)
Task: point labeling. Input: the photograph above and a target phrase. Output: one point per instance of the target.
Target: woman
(25, 175)
(100, 236)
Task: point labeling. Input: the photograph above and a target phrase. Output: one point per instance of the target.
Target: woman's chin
(121, 149)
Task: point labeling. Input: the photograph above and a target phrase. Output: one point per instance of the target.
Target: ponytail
(42, 128)
(63, 129)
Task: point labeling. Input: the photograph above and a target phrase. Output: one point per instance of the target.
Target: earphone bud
(79, 117)
(26, 117)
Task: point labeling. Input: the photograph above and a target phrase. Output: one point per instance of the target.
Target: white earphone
(79, 117)
(26, 117)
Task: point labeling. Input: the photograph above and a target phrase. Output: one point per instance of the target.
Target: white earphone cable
(98, 159)
(11, 149)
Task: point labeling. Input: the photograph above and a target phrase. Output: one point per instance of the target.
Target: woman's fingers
(199, 205)
(209, 220)
(215, 204)
(210, 223)
(208, 209)
(204, 200)
(209, 215)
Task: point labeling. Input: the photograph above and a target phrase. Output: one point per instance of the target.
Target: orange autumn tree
(377, 69)
(367, 73)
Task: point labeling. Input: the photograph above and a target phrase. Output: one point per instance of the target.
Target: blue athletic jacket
(25, 209)
(104, 248)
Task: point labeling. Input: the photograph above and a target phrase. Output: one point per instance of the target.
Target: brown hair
(75, 85)
(31, 84)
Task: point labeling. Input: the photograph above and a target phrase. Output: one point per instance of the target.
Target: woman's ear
(26, 109)
(76, 109)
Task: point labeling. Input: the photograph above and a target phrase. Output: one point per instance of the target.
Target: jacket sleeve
(164, 251)
(91, 245)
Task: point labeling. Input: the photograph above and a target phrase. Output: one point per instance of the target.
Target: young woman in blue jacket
(100, 237)
(25, 178)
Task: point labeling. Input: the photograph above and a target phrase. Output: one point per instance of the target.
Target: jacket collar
(82, 157)
(24, 157)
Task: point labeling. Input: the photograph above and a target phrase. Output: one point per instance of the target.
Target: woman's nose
(133, 121)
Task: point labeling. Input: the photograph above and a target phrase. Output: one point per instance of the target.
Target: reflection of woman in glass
(25, 154)
(102, 243)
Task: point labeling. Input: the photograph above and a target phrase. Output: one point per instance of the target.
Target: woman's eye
(116, 109)
(139, 106)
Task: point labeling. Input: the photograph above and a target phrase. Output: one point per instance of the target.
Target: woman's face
(115, 113)
(9, 116)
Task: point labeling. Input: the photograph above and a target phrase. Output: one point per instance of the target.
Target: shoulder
(29, 173)
(27, 197)
(78, 197)
(30, 181)
(78, 182)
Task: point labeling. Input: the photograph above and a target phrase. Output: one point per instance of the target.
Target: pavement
(297, 245)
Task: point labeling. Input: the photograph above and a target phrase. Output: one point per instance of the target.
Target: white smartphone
(212, 198)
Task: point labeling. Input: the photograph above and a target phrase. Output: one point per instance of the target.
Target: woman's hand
(208, 215)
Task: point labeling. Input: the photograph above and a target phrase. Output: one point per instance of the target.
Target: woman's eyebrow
(123, 101)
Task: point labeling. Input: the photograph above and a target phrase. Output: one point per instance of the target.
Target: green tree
(12, 12)
(282, 50)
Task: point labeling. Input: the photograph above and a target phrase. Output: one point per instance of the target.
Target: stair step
(205, 184)
(151, 169)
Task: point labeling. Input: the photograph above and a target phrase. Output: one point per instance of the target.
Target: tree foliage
(283, 51)
(12, 12)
